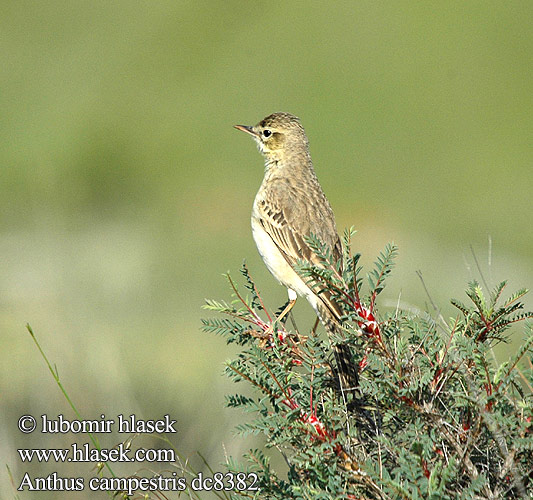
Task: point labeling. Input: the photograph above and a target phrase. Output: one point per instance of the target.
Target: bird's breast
(269, 251)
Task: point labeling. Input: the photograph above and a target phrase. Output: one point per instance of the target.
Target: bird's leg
(287, 310)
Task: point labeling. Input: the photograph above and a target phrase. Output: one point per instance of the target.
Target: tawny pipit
(290, 206)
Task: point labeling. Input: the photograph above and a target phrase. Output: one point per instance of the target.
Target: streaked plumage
(289, 206)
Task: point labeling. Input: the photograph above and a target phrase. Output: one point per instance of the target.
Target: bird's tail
(346, 368)
(347, 371)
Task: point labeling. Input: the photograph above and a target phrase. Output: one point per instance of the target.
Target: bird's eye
(267, 133)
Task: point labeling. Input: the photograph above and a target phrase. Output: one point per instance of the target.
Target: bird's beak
(246, 128)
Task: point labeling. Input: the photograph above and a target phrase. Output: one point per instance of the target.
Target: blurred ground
(125, 193)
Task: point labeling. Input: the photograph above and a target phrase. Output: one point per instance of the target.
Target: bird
(290, 207)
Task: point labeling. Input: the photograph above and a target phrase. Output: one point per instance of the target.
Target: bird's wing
(288, 215)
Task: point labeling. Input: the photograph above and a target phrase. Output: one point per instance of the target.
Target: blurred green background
(126, 193)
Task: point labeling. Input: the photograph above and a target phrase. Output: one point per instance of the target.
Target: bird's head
(278, 135)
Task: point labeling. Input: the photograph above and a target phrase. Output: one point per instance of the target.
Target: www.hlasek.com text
(85, 453)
